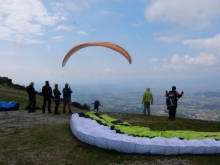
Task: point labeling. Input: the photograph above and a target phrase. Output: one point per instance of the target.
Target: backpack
(66, 92)
(171, 99)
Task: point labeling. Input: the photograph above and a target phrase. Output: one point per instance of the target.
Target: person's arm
(152, 99)
(143, 98)
(166, 93)
(180, 95)
(51, 92)
(42, 90)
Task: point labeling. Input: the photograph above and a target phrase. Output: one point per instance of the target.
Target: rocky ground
(10, 120)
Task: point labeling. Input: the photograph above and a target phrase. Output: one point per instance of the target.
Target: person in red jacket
(172, 109)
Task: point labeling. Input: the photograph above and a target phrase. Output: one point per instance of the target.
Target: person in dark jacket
(172, 110)
(32, 97)
(47, 93)
(67, 98)
(96, 105)
(57, 94)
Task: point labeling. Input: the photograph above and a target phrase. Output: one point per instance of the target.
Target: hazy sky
(168, 40)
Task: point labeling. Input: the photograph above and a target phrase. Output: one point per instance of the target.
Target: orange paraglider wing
(109, 45)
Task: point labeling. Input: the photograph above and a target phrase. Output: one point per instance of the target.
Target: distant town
(201, 103)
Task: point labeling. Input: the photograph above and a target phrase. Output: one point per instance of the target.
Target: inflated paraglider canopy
(109, 45)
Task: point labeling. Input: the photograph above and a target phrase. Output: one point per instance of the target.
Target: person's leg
(170, 113)
(69, 105)
(64, 105)
(58, 104)
(33, 104)
(56, 107)
(174, 113)
(148, 109)
(44, 104)
(48, 105)
(30, 104)
(145, 107)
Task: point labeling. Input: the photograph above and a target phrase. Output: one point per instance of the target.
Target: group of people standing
(47, 93)
(148, 99)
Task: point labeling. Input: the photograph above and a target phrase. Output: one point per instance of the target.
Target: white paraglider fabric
(90, 132)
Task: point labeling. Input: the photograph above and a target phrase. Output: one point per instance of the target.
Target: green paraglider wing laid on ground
(112, 134)
(126, 128)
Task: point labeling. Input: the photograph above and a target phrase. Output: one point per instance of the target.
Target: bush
(78, 105)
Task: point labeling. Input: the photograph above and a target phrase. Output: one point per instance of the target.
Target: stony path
(10, 120)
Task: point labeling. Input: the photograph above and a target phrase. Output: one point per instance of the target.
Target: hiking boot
(43, 111)
(57, 113)
(64, 111)
(49, 112)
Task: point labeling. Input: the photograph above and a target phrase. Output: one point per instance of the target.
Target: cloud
(105, 12)
(153, 60)
(137, 24)
(28, 17)
(6, 53)
(5, 32)
(164, 60)
(108, 70)
(184, 12)
(167, 39)
(57, 37)
(187, 63)
(61, 27)
(30, 41)
(77, 5)
(211, 44)
(81, 32)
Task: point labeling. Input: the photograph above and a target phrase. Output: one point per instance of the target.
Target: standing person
(47, 93)
(174, 96)
(57, 94)
(96, 105)
(32, 97)
(67, 98)
(147, 100)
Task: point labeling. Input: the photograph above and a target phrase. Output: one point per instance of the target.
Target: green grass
(8, 93)
(55, 144)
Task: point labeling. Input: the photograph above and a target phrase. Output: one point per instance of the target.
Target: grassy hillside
(55, 144)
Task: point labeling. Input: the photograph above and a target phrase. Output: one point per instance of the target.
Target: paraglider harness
(67, 92)
(171, 99)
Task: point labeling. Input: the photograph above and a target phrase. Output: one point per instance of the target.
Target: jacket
(176, 98)
(47, 91)
(148, 97)
(31, 91)
(56, 93)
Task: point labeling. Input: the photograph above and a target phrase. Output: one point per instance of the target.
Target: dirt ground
(10, 120)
